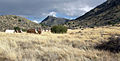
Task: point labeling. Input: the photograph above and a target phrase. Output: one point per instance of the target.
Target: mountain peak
(51, 20)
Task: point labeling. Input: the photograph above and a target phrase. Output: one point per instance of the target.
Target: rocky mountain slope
(107, 13)
(11, 21)
(50, 21)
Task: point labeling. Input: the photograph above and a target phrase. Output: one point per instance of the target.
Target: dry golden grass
(76, 45)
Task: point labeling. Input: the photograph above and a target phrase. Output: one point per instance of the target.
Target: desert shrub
(68, 23)
(42, 24)
(24, 30)
(113, 45)
(15, 17)
(16, 28)
(19, 20)
(112, 22)
(91, 26)
(59, 29)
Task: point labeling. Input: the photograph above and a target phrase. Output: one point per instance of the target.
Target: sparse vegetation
(11, 21)
(59, 29)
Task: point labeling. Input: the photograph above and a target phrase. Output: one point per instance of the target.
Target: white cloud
(52, 14)
(36, 21)
(86, 8)
(76, 8)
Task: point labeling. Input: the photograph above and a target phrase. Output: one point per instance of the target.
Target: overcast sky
(36, 10)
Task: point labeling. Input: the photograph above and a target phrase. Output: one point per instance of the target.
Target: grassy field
(75, 45)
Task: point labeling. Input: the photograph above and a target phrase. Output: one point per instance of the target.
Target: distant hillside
(107, 13)
(11, 21)
(50, 21)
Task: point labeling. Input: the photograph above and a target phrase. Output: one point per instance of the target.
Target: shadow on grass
(113, 45)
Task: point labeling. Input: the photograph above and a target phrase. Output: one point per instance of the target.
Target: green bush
(111, 22)
(16, 28)
(59, 29)
(19, 20)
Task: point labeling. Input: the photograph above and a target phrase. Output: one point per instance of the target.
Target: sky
(37, 10)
